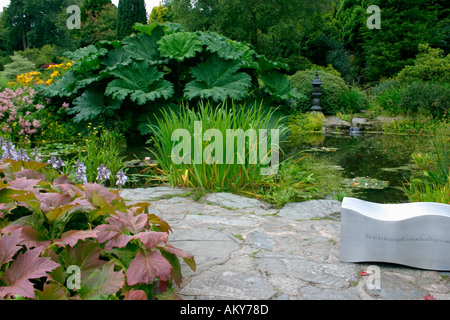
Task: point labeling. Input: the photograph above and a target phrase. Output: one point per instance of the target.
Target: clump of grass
(214, 175)
(432, 181)
(103, 147)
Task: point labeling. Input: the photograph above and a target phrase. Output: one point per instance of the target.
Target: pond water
(376, 165)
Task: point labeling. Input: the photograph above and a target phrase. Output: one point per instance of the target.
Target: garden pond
(375, 165)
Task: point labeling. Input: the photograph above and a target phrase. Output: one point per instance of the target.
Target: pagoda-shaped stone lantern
(316, 93)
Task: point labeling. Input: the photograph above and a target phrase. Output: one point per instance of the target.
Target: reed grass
(214, 176)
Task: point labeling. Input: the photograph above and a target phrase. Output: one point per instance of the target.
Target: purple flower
(22, 155)
(80, 171)
(103, 173)
(8, 150)
(56, 163)
(36, 154)
(121, 178)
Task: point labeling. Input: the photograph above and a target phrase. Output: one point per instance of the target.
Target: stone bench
(411, 234)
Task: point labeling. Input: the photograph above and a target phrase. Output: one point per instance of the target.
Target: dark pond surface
(376, 165)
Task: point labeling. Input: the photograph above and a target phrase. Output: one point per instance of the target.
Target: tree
(159, 14)
(275, 28)
(130, 12)
(34, 23)
(383, 52)
(93, 6)
(19, 65)
(99, 26)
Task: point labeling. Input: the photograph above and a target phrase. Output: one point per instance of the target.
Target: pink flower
(36, 124)
(39, 107)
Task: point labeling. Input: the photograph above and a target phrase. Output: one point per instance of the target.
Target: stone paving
(245, 249)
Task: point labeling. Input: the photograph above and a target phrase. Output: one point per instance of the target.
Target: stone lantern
(316, 93)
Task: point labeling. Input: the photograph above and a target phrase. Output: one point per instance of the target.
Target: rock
(313, 209)
(261, 240)
(147, 194)
(336, 122)
(233, 201)
(230, 285)
(313, 293)
(209, 247)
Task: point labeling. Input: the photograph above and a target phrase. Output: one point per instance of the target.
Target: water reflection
(367, 160)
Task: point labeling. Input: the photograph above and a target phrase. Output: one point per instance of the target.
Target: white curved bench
(411, 234)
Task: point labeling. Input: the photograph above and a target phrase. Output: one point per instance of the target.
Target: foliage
(427, 98)
(383, 54)
(45, 55)
(424, 98)
(223, 168)
(431, 183)
(333, 87)
(310, 121)
(159, 14)
(274, 28)
(354, 100)
(131, 80)
(103, 147)
(33, 24)
(415, 125)
(94, 7)
(429, 65)
(51, 225)
(129, 13)
(19, 65)
(98, 24)
(299, 179)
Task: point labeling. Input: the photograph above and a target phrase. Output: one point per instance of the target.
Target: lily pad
(366, 183)
(323, 149)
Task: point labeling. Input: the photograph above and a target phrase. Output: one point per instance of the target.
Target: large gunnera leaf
(279, 86)
(140, 81)
(180, 46)
(143, 48)
(218, 79)
(91, 104)
(222, 46)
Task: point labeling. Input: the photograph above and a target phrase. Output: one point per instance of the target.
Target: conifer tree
(130, 12)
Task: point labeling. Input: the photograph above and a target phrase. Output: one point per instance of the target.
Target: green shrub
(426, 98)
(354, 100)
(309, 121)
(19, 65)
(333, 87)
(389, 96)
(40, 57)
(430, 65)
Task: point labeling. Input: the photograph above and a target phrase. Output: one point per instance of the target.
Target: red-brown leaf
(151, 238)
(146, 266)
(26, 266)
(71, 237)
(135, 295)
(24, 184)
(9, 245)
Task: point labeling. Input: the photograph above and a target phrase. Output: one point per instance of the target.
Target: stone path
(245, 249)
